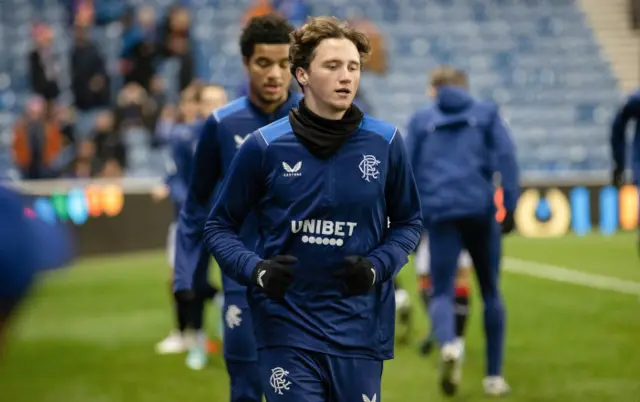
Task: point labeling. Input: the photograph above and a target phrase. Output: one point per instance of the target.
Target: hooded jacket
(456, 146)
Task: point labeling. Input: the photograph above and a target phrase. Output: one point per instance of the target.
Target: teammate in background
(322, 183)
(182, 143)
(422, 258)
(458, 145)
(630, 110)
(27, 245)
(264, 45)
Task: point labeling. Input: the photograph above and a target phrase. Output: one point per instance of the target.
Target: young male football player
(264, 46)
(458, 145)
(182, 143)
(322, 183)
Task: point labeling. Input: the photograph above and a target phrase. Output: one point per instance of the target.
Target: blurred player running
(182, 141)
(27, 245)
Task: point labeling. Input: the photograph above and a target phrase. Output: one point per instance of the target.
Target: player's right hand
(508, 223)
(275, 275)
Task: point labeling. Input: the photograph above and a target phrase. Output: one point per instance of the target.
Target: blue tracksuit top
(178, 164)
(28, 244)
(456, 146)
(360, 201)
(222, 134)
(619, 146)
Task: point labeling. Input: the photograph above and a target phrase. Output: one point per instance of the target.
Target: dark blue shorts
(294, 375)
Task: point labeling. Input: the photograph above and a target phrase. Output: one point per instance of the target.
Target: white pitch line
(561, 274)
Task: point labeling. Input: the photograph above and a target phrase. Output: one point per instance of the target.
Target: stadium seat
(536, 58)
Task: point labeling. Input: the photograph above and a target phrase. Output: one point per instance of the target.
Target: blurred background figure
(37, 141)
(27, 245)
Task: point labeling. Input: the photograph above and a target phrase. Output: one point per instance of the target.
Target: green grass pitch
(88, 332)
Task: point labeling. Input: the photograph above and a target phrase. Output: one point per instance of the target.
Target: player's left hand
(358, 275)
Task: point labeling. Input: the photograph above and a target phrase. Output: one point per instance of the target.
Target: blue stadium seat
(536, 58)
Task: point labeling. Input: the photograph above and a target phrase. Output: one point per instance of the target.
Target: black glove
(508, 223)
(202, 293)
(185, 297)
(358, 275)
(275, 275)
(617, 179)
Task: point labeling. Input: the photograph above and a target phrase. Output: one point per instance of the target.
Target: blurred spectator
(66, 123)
(83, 13)
(89, 82)
(177, 65)
(37, 141)
(108, 11)
(44, 65)
(258, 8)
(82, 166)
(110, 152)
(156, 101)
(377, 63)
(138, 55)
(296, 11)
(132, 109)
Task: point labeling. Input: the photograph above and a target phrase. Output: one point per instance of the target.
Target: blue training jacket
(27, 245)
(321, 211)
(456, 146)
(182, 144)
(619, 146)
(222, 134)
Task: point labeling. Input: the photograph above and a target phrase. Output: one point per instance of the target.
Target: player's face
(269, 75)
(333, 76)
(212, 98)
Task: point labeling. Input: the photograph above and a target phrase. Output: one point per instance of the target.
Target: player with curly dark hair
(264, 45)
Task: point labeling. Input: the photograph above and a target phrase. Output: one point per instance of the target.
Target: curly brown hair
(306, 39)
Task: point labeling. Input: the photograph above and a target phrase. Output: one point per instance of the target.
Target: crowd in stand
(86, 137)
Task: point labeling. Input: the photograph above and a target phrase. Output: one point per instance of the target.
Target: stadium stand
(537, 58)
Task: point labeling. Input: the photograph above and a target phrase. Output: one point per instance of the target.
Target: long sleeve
(404, 211)
(506, 163)
(175, 159)
(241, 191)
(627, 112)
(413, 142)
(27, 245)
(205, 174)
